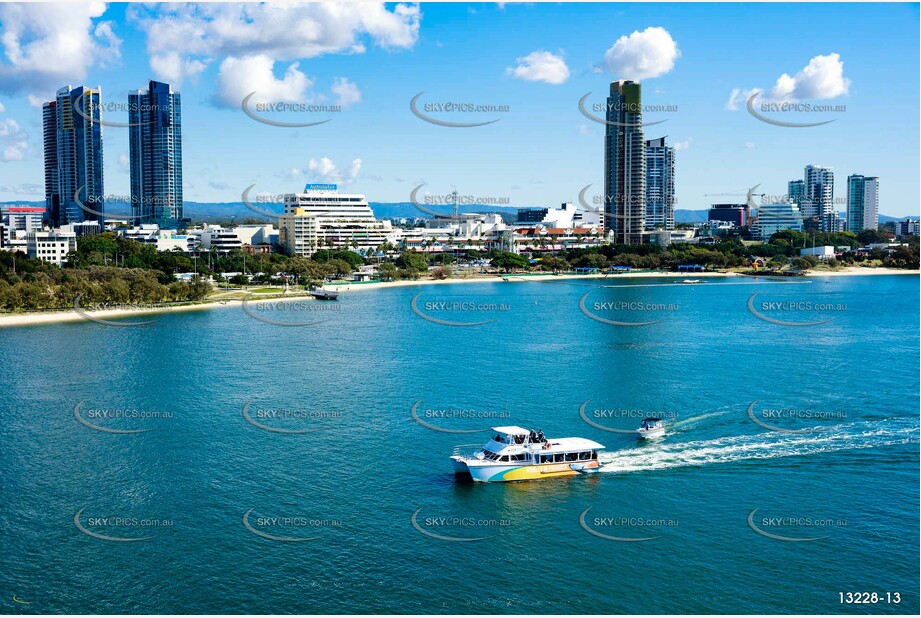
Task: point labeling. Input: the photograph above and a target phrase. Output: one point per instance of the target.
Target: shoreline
(65, 315)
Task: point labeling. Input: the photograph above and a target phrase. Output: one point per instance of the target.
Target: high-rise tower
(155, 146)
(625, 164)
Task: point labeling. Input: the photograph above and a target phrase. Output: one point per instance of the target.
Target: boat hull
(508, 473)
(650, 434)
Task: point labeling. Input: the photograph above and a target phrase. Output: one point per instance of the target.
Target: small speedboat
(324, 294)
(518, 454)
(651, 427)
(691, 281)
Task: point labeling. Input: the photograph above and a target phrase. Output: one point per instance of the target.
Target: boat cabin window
(546, 458)
(572, 456)
(520, 457)
(585, 456)
(503, 458)
(594, 454)
(558, 457)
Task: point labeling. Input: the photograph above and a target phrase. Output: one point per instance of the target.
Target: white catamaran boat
(518, 454)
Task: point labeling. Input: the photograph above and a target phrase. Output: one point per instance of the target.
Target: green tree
(507, 261)
(412, 260)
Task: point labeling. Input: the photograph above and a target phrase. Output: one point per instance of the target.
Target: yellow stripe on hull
(531, 472)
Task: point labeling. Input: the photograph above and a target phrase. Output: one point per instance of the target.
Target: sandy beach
(103, 315)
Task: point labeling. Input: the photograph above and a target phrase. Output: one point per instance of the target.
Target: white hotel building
(322, 218)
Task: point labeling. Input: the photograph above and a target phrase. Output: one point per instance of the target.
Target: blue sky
(542, 151)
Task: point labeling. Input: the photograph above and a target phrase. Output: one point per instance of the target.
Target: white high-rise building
(862, 203)
(819, 200)
(322, 218)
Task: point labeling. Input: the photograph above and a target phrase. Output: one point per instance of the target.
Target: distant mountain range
(224, 211)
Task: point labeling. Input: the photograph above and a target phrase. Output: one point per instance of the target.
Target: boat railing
(466, 450)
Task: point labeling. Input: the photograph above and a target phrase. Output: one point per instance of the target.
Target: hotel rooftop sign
(320, 187)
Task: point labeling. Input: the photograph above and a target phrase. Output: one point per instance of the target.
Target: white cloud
(822, 78)
(183, 38)
(683, 145)
(750, 145)
(643, 55)
(738, 97)
(2, 108)
(123, 161)
(354, 168)
(27, 188)
(14, 142)
(47, 45)
(238, 77)
(347, 92)
(173, 68)
(540, 66)
(324, 170)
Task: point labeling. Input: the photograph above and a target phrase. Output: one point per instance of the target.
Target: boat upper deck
(514, 440)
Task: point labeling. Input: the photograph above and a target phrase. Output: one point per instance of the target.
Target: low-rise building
(162, 240)
(773, 218)
(664, 238)
(225, 240)
(24, 218)
(824, 252)
(737, 214)
(51, 246)
(566, 216)
(908, 227)
(545, 239)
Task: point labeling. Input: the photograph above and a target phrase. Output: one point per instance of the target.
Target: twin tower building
(639, 174)
(72, 130)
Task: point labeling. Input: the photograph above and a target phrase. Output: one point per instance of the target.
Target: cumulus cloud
(822, 78)
(46, 45)
(540, 66)
(324, 170)
(173, 68)
(347, 93)
(14, 142)
(238, 77)
(682, 145)
(182, 39)
(643, 55)
(123, 161)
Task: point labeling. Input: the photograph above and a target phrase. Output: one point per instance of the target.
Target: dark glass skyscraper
(625, 164)
(155, 146)
(72, 135)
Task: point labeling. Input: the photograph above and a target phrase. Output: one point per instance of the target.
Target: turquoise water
(849, 479)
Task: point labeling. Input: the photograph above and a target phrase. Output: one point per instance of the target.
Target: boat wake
(769, 445)
(696, 419)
